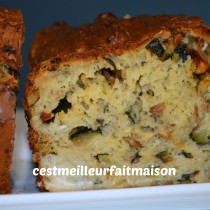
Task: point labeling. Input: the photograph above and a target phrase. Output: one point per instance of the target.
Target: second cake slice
(11, 39)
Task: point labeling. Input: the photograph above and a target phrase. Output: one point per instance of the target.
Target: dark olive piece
(182, 52)
(186, 154)
(9, 49)
(54, 63)
(100, 121)
(156, 47)
(187, 177)
(96, 182)
(136, 158)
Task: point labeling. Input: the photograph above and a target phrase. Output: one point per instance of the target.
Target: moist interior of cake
(141, 108)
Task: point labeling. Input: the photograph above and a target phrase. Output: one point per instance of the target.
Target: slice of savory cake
(125, 92)
(11, 38)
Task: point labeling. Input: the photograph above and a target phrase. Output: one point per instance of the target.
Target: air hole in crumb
(63, 105)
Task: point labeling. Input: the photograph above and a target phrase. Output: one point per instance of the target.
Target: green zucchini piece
(201, 137)
(111, 63)
(165, 156)
(130, 117)
(103, 158)
(82, 133)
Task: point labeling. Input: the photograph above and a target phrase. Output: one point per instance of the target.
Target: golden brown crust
(7, 130)
(11, 38)
(106, 36)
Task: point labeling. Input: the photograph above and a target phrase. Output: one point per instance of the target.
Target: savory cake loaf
(11, 38)
(121, 92)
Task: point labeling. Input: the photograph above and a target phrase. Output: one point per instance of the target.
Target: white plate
(27, 196)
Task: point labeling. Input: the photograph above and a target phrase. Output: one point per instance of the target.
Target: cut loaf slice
(131, 91)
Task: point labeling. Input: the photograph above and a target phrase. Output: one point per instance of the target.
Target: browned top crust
(11, 37)
(108, 35)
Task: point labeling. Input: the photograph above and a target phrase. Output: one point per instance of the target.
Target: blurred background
(43, 13)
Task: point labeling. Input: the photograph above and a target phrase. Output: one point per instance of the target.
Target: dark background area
(43, 13)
